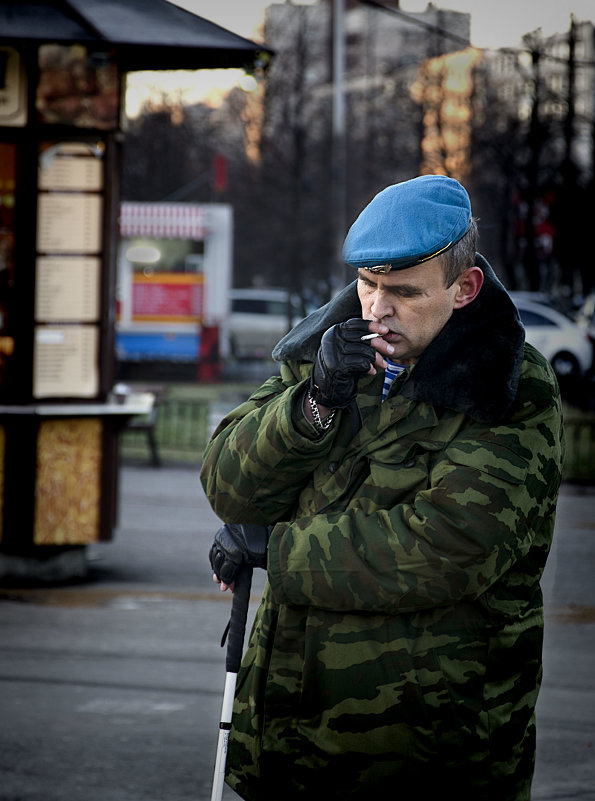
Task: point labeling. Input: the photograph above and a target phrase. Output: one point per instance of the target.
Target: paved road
(110, 690)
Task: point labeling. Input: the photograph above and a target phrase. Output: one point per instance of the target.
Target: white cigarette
(370, 336)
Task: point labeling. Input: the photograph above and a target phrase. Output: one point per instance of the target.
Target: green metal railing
(579, 463)
(183, 427)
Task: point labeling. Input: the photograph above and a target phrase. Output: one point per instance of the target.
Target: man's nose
(382, 305)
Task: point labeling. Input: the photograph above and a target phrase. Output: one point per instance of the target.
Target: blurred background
(362, 94)
(358, 95)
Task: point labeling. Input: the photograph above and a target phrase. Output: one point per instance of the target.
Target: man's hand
(341, 361)
(236, 544)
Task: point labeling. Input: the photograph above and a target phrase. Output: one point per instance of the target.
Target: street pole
(338, 162)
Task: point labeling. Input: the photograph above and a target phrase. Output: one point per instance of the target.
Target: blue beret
(409, 223)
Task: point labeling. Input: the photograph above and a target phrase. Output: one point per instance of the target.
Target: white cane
(235, 645)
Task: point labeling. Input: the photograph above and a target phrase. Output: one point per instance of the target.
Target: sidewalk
(565, 768)
(111, 689)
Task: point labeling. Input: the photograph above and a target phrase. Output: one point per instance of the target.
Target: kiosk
(62, 66)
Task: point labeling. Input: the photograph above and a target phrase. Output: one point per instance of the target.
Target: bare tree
(168, 154)
(529, 165)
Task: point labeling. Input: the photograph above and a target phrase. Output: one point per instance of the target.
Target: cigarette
(370, 336)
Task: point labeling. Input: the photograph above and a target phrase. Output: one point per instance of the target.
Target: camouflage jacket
(397, 646)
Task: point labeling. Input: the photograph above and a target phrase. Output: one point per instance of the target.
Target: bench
(146, 423)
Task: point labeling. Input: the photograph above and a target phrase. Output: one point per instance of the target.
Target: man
(409, 483)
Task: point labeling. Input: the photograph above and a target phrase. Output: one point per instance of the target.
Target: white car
(259, 318)
(563, 343)
(585, 316)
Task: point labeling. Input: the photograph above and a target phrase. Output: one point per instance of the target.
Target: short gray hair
(461, 255)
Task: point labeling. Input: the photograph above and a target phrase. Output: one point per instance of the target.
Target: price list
(65, 361)
(70, 167)
(69, 222)
(67, 289)
(68, 270)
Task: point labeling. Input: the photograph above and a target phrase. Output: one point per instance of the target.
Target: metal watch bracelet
(320, 424)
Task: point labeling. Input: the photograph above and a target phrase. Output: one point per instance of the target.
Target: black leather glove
(236, 544)
(341, 361)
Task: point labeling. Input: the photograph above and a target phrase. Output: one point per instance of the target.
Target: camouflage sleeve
(488, 495)
(263, 453)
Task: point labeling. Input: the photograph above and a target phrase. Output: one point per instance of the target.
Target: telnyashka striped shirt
(391, 372)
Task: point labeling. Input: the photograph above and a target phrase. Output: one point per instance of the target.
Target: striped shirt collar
(391, 372)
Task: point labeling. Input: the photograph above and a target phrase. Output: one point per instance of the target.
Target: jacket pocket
(396, 474)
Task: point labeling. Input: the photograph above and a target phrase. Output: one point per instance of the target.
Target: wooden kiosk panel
(68, 482)
(2, 473)
(8, 160)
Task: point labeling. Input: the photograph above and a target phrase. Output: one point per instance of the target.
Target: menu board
(70, 200)
(68, 269)
(70, 166)
(69, 223)
(67, 289)
(65, 361)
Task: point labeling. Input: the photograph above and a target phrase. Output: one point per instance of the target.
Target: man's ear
(469, 283)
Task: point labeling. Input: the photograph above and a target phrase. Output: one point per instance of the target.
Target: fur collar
(472, 366)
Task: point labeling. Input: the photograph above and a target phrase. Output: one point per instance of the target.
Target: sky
(494, 23)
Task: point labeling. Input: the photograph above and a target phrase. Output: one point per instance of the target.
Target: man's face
(414, 304)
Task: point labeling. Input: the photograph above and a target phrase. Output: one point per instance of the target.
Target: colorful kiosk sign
(174, 274)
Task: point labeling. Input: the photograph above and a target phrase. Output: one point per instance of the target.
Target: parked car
(585, 316)
(259, 318)
(556, 336)
(543, 298)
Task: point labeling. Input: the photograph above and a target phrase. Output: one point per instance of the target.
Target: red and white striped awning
(163, 220)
